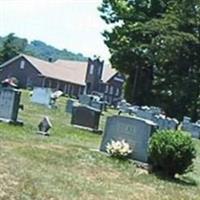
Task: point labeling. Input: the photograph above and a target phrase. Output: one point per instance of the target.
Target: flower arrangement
(118, 148)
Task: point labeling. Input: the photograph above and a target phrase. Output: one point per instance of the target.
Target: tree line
(11, 45)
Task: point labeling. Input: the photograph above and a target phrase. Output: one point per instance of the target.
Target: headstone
(186, 119)
(42, 96)
(164, 122)
(85, 99)
(92, 101)
(192, 128)
(135, 131)
(98, 105)
(44, 126)
(69, 105)
(145, 114)
(124, 107)
(155, 110)
(9, 104)
(173, 123)
(86, 116)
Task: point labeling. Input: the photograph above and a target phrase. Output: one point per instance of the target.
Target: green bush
(171, 152)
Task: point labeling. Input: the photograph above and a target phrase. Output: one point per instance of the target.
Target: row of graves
(85, 112)
(156, 115)
(10, 98)
(135, 129)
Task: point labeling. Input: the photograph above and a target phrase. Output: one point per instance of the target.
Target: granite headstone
(98, 105)
(85, 99)
(133, 130)
(86, 116)
(69, 105)
(92, 101)
(192, 128)
(9, 104)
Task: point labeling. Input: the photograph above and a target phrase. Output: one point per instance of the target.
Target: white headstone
(42, 95)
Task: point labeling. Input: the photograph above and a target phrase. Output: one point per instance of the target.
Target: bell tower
(94, 74)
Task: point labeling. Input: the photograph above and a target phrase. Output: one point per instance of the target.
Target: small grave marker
(44, 126)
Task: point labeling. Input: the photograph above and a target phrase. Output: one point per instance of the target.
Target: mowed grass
(65, 166)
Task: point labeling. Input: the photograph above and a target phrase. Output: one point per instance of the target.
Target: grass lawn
(63, 166)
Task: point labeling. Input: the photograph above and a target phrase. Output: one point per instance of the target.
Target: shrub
(171, 152)
(120, 149)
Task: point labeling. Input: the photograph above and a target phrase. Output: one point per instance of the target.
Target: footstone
(44, 126)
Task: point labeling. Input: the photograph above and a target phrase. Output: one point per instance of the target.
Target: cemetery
(100, 100)
(65, 159)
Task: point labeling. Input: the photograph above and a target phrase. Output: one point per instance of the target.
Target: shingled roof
(65, 70)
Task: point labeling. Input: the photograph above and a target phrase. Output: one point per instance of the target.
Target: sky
(71, 24)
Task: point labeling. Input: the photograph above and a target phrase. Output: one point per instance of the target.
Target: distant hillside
(41, 50)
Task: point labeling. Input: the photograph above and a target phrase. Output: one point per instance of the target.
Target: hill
(65, 166)
(44, 51)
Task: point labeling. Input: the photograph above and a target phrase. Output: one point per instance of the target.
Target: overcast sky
(72, 24)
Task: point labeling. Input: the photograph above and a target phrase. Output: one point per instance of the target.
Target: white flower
(118, 148)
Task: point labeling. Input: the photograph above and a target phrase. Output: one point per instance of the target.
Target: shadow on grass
(182, 180)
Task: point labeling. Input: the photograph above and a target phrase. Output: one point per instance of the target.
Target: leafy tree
(175, 50)
(150, 42)
(12, 47)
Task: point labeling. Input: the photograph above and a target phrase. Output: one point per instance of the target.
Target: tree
(157, 49)
(129, 43)
(176, 50)
(12, 46)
